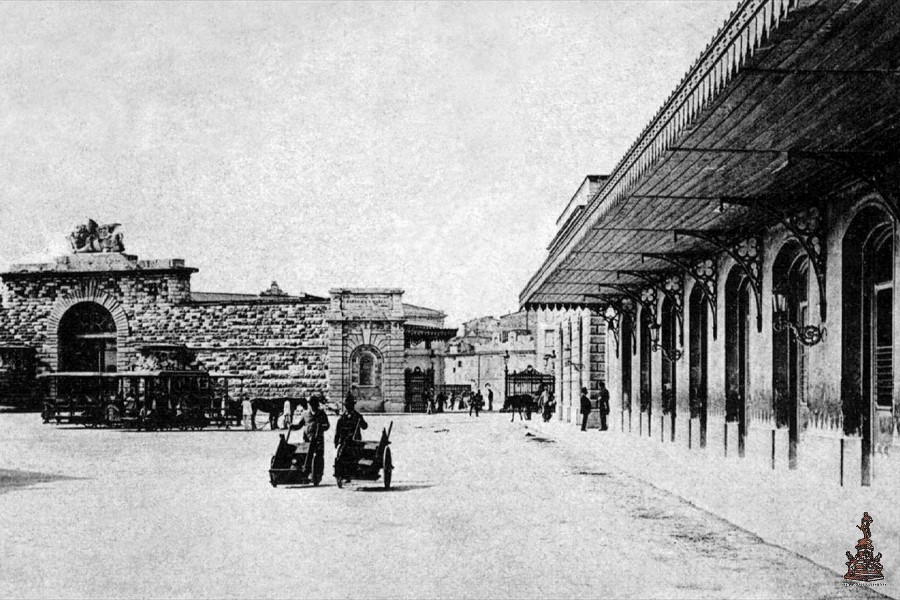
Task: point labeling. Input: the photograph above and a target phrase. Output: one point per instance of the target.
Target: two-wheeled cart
(361, 460)
(298, 464)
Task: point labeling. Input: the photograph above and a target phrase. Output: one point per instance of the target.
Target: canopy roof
(787, 95)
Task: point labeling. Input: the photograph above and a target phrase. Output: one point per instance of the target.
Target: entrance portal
(87, 339)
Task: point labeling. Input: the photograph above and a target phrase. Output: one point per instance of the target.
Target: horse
(515, 404)
(274, 407)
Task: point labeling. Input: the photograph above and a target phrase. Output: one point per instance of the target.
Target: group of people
(436, 403)
(602, 406)
(313, 421)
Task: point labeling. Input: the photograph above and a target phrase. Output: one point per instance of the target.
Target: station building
(742, 255)
(108, 311)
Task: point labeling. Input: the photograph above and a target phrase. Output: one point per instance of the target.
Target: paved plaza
(480, 508)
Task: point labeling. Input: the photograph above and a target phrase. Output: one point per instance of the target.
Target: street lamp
(808, 335)
(548, 357)
(577, 366)
(671, 356)
(505, 374)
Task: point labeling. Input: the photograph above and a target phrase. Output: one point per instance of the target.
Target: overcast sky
(424, 146)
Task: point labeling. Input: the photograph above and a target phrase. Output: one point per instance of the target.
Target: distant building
(108, 311)
(487, 348)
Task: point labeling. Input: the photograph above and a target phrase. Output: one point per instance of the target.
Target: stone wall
(279, 343)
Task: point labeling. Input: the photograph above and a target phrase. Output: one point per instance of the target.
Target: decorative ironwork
(808, 227)
(808, 335)
(746, 252)
(671, 286)
(704, 270)
(620, 306)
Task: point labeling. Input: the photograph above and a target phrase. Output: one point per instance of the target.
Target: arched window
(366, 369)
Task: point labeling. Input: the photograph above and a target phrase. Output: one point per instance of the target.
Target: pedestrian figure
(604, 406)
(490, 395)
(247, 409)
(452, 400)
(549, 407)
(475, 403)
(585, 408)
(349, 423)
(441, 400)
(429, 401)
(314, 424)
(287, 413)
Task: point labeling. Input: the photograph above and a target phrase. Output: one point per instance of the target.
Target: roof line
(740, 37)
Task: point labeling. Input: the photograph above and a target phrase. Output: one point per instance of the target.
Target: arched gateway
(88, 331)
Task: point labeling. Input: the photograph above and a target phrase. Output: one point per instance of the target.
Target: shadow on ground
(11, 480)
(394, 488)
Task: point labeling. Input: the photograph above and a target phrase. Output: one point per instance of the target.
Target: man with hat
(345, 432)
(314, 423)
(349, 423)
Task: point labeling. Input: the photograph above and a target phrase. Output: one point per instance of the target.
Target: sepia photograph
(449, 299)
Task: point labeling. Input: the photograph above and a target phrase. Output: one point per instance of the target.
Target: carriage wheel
(272, 480)
(340, 482)
(388, 467)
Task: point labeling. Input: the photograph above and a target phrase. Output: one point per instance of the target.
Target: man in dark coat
(314, 423)
(490, 394)
(349, 423)
(585, 408)
(604, 406)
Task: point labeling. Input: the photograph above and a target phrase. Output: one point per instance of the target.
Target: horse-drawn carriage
(151, 400)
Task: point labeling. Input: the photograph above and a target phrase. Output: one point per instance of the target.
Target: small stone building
(111, 312)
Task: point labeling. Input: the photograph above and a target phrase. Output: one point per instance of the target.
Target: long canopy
(792, 101)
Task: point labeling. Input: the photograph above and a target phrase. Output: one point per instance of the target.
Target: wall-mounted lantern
(808, 335)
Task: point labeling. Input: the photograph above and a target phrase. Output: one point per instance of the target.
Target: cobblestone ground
(481, 508)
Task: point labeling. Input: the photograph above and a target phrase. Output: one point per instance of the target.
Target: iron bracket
(703, 270)
(808, 227)
(747, 253)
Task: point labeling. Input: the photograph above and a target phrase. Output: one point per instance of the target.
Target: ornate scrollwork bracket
(808, 227)
(703, 270)
(671, 285)
(746, 252)
(607, 309)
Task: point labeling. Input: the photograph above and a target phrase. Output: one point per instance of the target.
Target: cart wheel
(388, 467)
(340, 482)
(272, 480)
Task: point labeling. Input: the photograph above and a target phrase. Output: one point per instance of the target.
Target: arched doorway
(668, 333)
(867, 361)
(790, 364)
(737, 351)
(626, 333)
(87, 339)
(698, 339)
(646, 368)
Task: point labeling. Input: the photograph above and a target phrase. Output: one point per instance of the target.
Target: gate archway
(88, 339)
